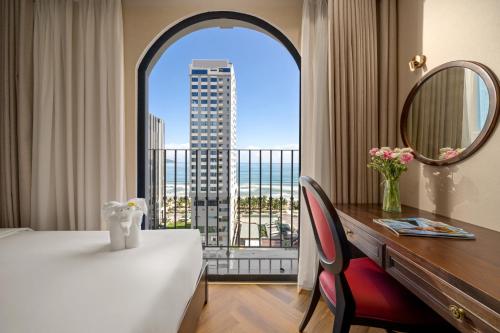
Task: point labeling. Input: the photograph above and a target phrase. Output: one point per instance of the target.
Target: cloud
(177, 146)
(289, 146)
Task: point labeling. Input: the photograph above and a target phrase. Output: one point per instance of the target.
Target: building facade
(156, 133)
(156, 153)
(212, 138)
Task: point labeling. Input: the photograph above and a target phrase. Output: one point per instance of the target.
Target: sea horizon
(281, 182)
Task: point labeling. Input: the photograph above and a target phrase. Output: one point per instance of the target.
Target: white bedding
(64, 281)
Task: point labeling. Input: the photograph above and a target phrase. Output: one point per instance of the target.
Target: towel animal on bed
(124, 220)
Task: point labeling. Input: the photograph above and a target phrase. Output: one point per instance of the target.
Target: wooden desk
(460, 279)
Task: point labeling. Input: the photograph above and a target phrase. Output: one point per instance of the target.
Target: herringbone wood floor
(266, 308)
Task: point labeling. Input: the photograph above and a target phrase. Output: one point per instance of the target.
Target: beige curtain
(353, 98)
(436, 116)
(16, 24)
(387, 78)
(78, 132)
(357, 111)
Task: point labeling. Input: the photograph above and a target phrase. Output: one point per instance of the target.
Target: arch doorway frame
(157, 48)
(147, 63)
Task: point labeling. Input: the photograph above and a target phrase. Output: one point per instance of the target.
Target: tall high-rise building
(156, 132)
(156, 144)
(212, 138)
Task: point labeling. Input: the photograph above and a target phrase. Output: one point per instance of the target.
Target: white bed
(63, 281)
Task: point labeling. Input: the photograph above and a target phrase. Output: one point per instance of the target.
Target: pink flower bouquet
(391, 163)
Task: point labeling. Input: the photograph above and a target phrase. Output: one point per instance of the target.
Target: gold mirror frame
(493, 87)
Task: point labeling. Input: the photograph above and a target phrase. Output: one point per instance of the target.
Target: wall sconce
(417, 62)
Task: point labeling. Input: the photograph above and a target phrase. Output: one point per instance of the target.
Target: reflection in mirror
(447, 113)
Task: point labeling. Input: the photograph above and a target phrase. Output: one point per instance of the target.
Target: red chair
(358, 291)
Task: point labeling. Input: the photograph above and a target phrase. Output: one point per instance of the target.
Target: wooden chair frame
(344, 309)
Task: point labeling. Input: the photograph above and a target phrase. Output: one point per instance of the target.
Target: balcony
(244, 202)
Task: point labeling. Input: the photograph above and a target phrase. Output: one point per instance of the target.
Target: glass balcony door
(244, 203)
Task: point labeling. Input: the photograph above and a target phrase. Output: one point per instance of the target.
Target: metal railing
(239, 199)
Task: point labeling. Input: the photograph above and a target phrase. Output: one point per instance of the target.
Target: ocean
(270, 181)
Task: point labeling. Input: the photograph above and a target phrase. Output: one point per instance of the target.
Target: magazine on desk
(418, 226)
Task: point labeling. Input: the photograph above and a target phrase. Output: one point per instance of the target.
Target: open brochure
(418, 226)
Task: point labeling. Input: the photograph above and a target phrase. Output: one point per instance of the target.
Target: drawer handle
(457, 312)
(348, 232)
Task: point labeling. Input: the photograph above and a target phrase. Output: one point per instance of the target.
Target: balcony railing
(244, 202)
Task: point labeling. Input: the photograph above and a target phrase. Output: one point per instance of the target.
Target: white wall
(145, 20)
(446, 30)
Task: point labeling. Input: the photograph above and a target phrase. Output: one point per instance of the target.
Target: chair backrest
(329, 234)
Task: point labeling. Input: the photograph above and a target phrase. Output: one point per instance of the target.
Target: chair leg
(340, 323)
(313, 301)
(343, 318)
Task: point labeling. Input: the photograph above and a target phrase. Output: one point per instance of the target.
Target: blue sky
(267, 82)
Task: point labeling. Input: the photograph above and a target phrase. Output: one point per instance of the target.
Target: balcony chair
(358, 291)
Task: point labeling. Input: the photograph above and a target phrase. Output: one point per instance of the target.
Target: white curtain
(78, 116)
(470, 116)
(315, 128)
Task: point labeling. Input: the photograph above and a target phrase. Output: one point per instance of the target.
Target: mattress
(69, 281)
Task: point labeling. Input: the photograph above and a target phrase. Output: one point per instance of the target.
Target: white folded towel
(124, 220)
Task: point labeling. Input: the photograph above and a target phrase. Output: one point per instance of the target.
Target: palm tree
(255, 203)
(243, 202)
(265, 202)
(276, 204)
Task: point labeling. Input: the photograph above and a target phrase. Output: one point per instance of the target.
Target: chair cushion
(322, 228)
(379, 296)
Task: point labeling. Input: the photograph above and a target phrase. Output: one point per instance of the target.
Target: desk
(460, 279)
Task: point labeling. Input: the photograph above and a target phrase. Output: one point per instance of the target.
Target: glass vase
(392, 200)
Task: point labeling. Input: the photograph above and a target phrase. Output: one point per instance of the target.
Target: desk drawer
(366, 243)
(460, 309)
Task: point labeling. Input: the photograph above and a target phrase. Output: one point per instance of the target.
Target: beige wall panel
(446, 30)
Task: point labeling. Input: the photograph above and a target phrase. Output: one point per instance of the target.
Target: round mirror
(450, 112)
